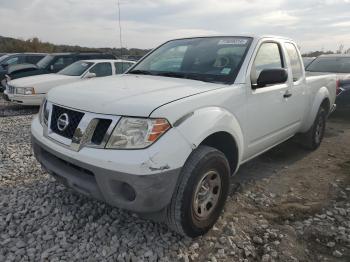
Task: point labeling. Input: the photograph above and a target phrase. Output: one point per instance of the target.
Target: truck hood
(131, 95)
(42, 82)
(13, 68)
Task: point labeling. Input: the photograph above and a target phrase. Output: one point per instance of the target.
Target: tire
(312, 139)
(208, 167)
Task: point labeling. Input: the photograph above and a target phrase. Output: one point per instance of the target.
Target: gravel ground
(10, 109)
(287, 205)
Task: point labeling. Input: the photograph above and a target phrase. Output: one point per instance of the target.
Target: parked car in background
(32, 89)
(51, 63)
(21, 58)
(164, 138)
(343, 94)
(307, 60)
(336, 64)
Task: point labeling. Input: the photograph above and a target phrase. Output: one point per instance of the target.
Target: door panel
(297, 103)
(267, 120)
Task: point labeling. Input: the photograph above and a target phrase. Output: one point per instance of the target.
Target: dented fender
(206, 121)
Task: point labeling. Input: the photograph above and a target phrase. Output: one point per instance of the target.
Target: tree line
(12, 45)
(340, 50)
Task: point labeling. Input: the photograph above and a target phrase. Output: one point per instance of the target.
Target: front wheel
(312, 139)
(201, 192)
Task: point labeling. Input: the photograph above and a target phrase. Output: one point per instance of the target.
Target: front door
(267, 119)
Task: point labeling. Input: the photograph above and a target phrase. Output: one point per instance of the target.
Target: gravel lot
(287, 205)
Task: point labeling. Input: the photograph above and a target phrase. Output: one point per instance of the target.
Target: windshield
(75, 69)
(3, 58)
(43, 63)
(210, 59)
(330, 65)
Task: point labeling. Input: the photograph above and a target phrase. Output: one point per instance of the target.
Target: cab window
(295, 62)
(268, 57)
(102, 69)
(121, 67)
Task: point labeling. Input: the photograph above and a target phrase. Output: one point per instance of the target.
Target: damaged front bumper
(137, 180)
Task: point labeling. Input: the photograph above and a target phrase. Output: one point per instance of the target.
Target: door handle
(287, 94)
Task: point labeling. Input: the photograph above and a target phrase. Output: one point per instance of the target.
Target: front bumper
(30, 100)
(122, 178)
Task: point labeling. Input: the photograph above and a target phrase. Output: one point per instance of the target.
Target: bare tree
(340, 49)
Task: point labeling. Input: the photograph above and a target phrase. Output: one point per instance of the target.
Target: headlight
(137, 133)
(25, 90)
(44, 113)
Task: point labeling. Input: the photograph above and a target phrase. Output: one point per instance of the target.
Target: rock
(337, 253)
(257, 240)
(20, 244)
(331, 244)
(266, 258)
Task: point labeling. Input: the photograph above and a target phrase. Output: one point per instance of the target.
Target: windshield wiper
(172, 74)
(140, 72)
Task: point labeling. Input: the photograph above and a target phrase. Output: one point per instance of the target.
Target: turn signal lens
(159, 127)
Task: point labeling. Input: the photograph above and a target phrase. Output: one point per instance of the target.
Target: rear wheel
(201, 192)
(312, 139)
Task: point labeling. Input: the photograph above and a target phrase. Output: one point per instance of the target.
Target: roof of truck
(106, 60)
(239, 35)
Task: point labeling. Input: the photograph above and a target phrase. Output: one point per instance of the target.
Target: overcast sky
(314, 24)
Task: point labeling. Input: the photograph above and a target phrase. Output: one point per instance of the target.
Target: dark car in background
(339, 65)
(307, 60)
(8, 60)
(51, 63)
(343, 94)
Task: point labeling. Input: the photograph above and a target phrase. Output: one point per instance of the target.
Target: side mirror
(272, 76)
(89, 75)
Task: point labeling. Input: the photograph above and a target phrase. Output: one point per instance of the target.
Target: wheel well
(326, 105)
(225, 143)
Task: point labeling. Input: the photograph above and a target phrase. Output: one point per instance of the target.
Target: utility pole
(120, 31)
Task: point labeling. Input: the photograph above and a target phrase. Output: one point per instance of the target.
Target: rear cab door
(268, 112)
(298, 95)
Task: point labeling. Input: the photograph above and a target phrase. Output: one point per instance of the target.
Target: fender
(321, 94)
(195, 128)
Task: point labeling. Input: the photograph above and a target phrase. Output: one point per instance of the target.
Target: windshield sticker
(84, 64)
(233, 41)
(225, 71)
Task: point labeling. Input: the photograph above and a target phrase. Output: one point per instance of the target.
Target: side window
(33, 59)
(121, 67)
(62, 62)
(13, 61)
(268, 57)
(294, 61)
(102, 69)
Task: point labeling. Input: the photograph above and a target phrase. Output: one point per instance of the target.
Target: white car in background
(32, 89)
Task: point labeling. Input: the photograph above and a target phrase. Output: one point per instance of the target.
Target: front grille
(74, 120)
(10, 89)
(100, 131)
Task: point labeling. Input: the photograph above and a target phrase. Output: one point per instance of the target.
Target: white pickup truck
(164, 138)
(31, 90)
